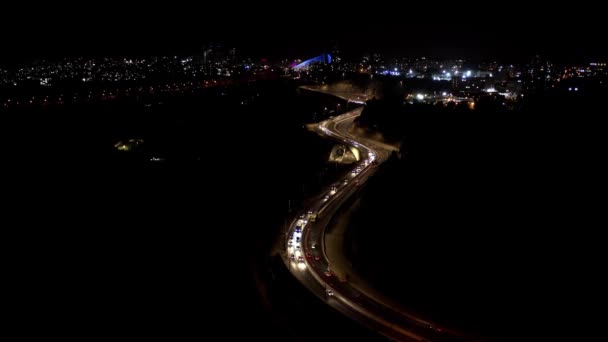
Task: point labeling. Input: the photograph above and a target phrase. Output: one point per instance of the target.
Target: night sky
(505, 32)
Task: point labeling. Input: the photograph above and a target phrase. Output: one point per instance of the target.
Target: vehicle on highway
(308, 255)
(298, 239)
(328, 273)
(326, 198)
(329, 292)
(310, 212)
(292, 257)
(300, 259)
(356, 182)
(298, 229)
(314, 245)
(298, 247)
(313, 217)
(345, 181)
(317, 258)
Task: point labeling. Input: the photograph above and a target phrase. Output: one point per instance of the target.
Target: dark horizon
(456, 32)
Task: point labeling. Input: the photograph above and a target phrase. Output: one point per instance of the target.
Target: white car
(329, 292)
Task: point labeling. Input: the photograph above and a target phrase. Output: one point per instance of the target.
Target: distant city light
(469, 73)
(444, 94)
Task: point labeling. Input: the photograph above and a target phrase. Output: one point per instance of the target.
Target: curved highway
(304, 247)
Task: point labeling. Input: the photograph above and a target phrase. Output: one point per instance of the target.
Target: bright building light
(420, 96)
(444, 93)
(469, 73)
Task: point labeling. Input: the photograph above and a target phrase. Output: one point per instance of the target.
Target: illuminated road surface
(305, 249)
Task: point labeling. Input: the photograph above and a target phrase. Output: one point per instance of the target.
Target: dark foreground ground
(490, 223)
(106, 244)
